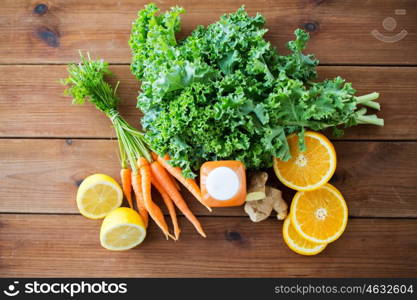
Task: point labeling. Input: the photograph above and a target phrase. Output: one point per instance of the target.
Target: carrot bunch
(147, 174)
(140, 170)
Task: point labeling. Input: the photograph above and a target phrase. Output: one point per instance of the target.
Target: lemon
(319, 216)
(307, 170)
(122, 229)
(98, 195)
(297, 243)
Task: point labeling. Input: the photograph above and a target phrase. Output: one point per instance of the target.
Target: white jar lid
(222, 183)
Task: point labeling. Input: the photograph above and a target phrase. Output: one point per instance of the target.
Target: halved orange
(307, 170)
(297, 243)
(319, 216)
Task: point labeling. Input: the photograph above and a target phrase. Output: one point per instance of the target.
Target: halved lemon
(98, 195)
(319, 216)
(307, 170)
(297, 243)
(122, 229)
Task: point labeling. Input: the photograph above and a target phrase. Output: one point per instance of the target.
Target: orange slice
(307, 170)
(297, 243)
(319, 216)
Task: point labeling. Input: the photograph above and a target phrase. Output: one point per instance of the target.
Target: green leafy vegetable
(225, 93)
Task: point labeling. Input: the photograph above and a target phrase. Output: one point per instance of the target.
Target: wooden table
(48, 146)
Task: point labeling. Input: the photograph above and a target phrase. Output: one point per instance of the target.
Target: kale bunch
(224, 92)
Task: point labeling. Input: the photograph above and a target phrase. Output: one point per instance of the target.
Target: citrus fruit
(297, 243)
(319, 216)
(98, 195)
(122, 229)
(307, 170)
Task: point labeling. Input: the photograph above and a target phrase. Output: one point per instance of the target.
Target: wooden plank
(41, 176)
(32, 102)
(52, 32)
(68, 246)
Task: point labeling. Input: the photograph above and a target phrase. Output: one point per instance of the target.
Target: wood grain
(32, 102)
(341, 30)
(378, 179)
(66, 246)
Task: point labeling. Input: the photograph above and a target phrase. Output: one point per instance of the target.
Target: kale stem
(367, 97)
(267, 71)
(370, 119)
(372, 104)
(367, 100)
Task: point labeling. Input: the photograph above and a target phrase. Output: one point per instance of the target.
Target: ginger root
(279, 204)
(260, 210)
(256, 189)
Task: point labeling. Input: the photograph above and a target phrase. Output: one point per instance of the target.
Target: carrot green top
(86, 82)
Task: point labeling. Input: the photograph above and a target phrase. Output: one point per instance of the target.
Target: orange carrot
(151, 207)
(169, 204)
(177, 185)
(125, 175)
(175, 182)
(161, 175)
(189, 183)
(137, 188)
